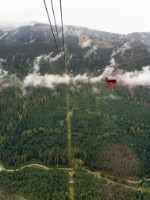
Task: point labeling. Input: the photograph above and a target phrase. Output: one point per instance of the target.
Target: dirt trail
(71, 185)
(71, 173)
(33, 165)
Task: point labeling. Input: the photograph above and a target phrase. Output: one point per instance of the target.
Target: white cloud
(3, 73)
(35, 79)
(90, 51)
(108, 15)
(47, 80)
(136, 78)
(80, 78)
(119, 50)
(108, 71)
(49, 58)
(112, 96)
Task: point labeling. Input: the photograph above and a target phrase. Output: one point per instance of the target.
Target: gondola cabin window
(111, 80)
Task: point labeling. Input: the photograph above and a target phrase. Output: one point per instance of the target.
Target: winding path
(33, 165)
(71, 172)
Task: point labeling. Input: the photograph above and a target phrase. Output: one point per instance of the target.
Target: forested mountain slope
(109, 124)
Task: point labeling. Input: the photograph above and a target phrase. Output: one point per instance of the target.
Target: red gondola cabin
(111, 80)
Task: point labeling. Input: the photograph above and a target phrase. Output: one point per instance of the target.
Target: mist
(3, 73)
(121, 50)
(135, 78)
(35, 79)
(48, 57)
(112, 96)
(130, 79)
(90, 51)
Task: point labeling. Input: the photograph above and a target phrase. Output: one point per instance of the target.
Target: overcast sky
(119, 16)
